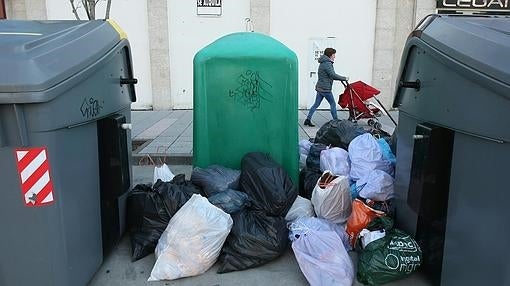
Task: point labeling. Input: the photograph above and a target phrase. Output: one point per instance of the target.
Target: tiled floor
(166, 132)
(171, 132)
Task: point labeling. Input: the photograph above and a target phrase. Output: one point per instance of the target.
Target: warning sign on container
(34, 172)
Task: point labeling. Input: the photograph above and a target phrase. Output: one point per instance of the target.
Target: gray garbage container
(453, 150)
(66, 89)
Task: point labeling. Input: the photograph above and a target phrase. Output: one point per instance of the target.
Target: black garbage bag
(255, 239)
(230, 201)
(175, 193)
(338, 133)
(267, 184)
(387, 206)
(313, 161)
(379, 133)
(147, 218)
(393, 141)
(307, 181)
(150, 209)
(215, 179)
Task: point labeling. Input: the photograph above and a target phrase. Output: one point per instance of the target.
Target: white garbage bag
(320, 254)
(300, 208)
(162, 173)
(192, 241)
(336, 160)
(304, 146)
(331, 198)
(319, 224)
(304, 149)
(368, 236)
(365, 155)
(377, 186)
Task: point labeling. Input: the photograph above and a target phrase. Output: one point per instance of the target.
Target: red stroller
(356, 98)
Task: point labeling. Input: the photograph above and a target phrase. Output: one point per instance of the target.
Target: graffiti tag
(90, 107)
(252, 90)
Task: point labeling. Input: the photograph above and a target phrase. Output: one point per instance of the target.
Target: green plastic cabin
(245, 99)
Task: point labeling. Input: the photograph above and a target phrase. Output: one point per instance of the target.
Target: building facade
(368, 35)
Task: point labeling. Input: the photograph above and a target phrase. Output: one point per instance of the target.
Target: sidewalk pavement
(168, 135)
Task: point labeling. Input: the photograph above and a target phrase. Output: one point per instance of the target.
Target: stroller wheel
(377, 125)
(371, 122)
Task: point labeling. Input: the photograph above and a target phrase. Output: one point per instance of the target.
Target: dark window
(2, 10)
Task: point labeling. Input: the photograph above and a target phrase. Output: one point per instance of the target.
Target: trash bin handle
(410, 84)
(131, 81)
(128, 81)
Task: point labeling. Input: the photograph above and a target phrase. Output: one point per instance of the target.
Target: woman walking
(326, 74)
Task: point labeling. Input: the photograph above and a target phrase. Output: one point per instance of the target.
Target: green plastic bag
(390, 258)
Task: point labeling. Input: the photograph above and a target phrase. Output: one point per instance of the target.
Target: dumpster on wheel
(453, 151)
(66, 89)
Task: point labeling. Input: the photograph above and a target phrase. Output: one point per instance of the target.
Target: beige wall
(260, 11)
(156, 47)
(159, 54)
(26, 9)
(348, 26)
(395, 20)
(188, 33)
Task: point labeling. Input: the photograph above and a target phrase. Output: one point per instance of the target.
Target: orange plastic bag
(360, 217)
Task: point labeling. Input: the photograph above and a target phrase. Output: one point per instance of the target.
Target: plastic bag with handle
(331, 198)
(162, 173)
(192, 241)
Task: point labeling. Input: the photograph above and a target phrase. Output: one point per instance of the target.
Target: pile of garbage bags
(234, 216)
(245, 218)
(149, 210)
(259, 234)
(347, 173)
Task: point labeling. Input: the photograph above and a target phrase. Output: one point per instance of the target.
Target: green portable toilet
(245, 100)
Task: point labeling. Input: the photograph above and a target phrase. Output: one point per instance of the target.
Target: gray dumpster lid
(37, 55)
(483, 43)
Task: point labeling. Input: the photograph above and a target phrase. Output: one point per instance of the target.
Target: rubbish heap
(246, 218)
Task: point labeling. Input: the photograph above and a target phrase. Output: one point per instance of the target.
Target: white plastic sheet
(319, 253)
(192, 241)
(332, 200)
(377, 186)
(366, 155)
(300, 208)
(163, 173)
(336, 160)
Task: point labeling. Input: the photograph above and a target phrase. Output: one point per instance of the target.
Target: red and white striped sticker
(34, 172)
